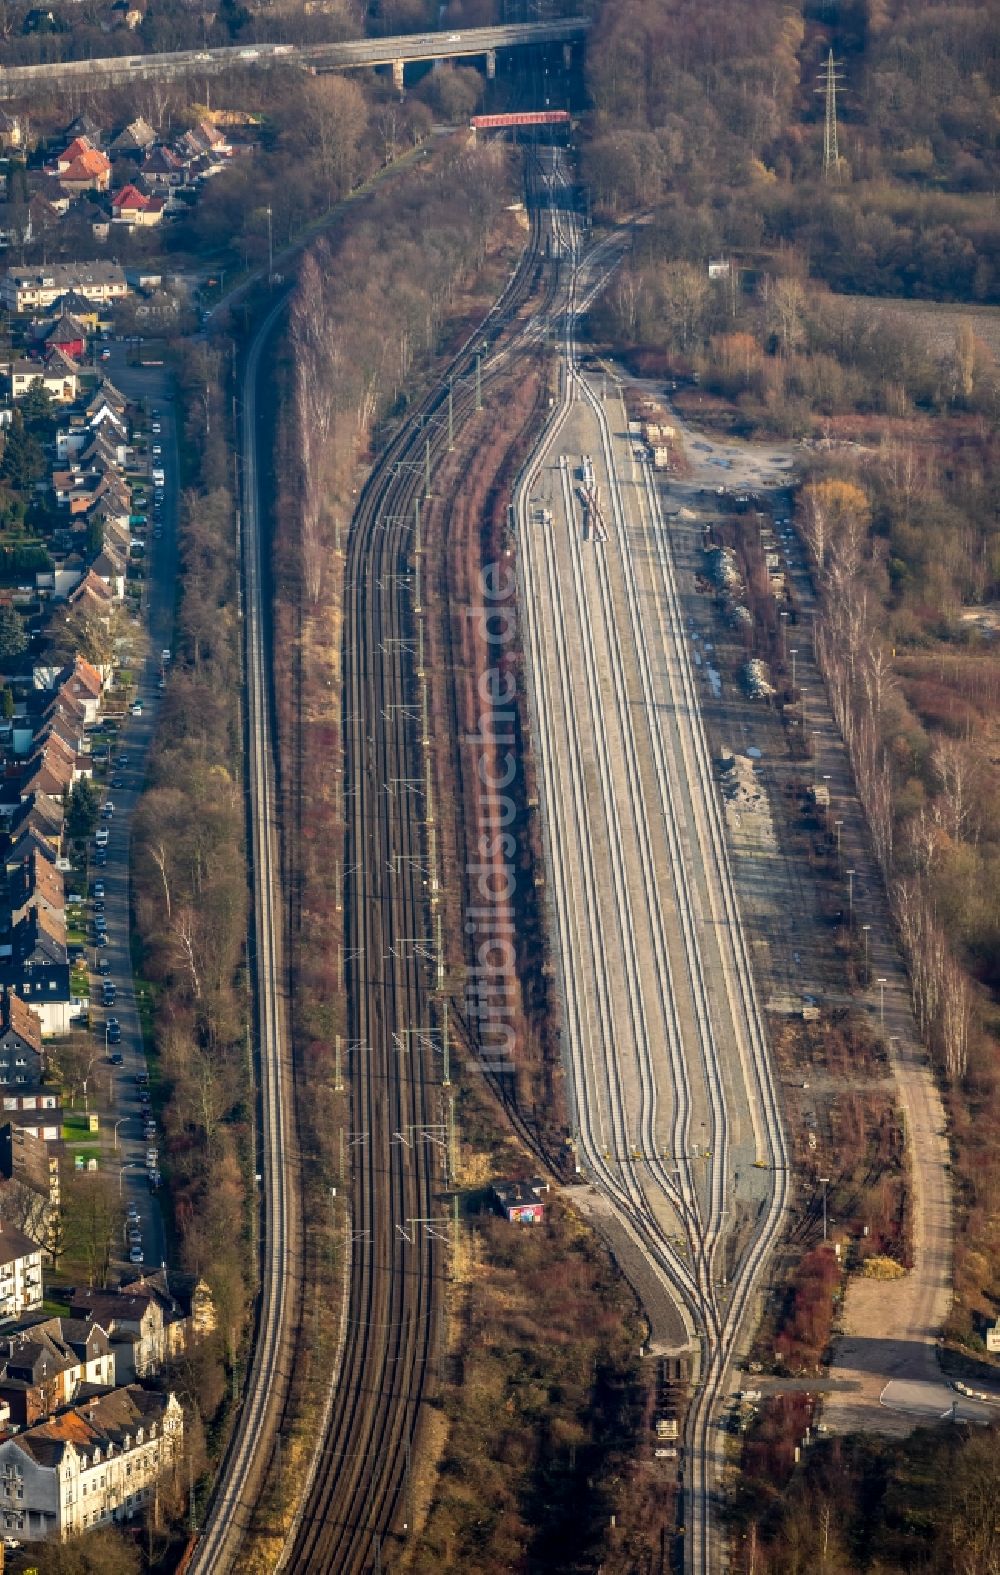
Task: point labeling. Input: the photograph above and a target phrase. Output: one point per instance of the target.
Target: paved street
(153, 384)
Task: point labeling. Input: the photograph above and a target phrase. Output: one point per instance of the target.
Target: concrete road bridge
(21, 82)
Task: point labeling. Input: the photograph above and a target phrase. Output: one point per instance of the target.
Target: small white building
(20, 1274)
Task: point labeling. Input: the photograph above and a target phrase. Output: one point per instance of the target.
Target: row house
(20, 1273)
(52, 1363)
(90, 1465)
(37, 1115)
(34, 962)
(30, 1190)
(22, 1059)
(150, 1320)
(35, 288)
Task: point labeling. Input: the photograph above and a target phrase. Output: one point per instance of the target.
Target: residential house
(150, 1320)
(520, 1202)
(67, 334)
(20, 1273)
(42, 814)
(22, 1059)
(92, 1464)
(93, 597)
(30, 1192)
(83, 686)
(13, 132)
(122, 13)
(82, 167)
(35, 883)
(35, 964)
(52, 1363)
(137, 137)
(58, 375)
(163, 170)
(81, 308)
(16, 228)
(132, 207)
(26, 844)
(85, 126)
(35, 288)
(38, 1116)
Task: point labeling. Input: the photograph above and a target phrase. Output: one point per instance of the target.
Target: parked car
(101, 856)
(136, 711)
(101, 837)
(117, 782)
(152, 1158)
(107, 809)
(109, 990)
(135, 1255)
(100, 923)
(104, 966)
(98, 904)
(122, 760)
(114, 1036)
(135, 1237)
(133, 1212)
(165, 655)
(117, 1059)
(98, 889)
(101, 939)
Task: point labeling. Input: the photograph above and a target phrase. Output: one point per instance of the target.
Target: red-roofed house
(131, 206)
(83, 168)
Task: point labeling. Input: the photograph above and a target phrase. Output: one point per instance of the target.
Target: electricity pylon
(829, 77)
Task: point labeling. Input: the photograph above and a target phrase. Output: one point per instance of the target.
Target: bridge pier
(397, 77)
(491, 64)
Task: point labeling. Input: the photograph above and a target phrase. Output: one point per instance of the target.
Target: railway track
(244, 1469)
(360, 1491)
(665, 1014)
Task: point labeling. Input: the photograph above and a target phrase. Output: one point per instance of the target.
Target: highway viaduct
(20, 82)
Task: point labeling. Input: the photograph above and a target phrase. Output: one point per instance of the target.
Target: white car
(101, 837)
(159, 479)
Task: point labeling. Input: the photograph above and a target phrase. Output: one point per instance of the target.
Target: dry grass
(940, 321)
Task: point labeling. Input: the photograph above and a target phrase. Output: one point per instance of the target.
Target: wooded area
(189, 895)
(708, 115)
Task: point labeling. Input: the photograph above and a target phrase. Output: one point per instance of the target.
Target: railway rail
(361, 1487)
(593, 601)
(244, 1469)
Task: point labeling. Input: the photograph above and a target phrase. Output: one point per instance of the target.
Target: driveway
(154, 384)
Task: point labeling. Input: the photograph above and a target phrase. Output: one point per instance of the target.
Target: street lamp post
(90, 1063)
(131, 1165)
(784, 632)
(866, 930)
(838, 827)
(850, 897)
(825, 1180)
(117, 1125)
(881, 1002)
(793, 653)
